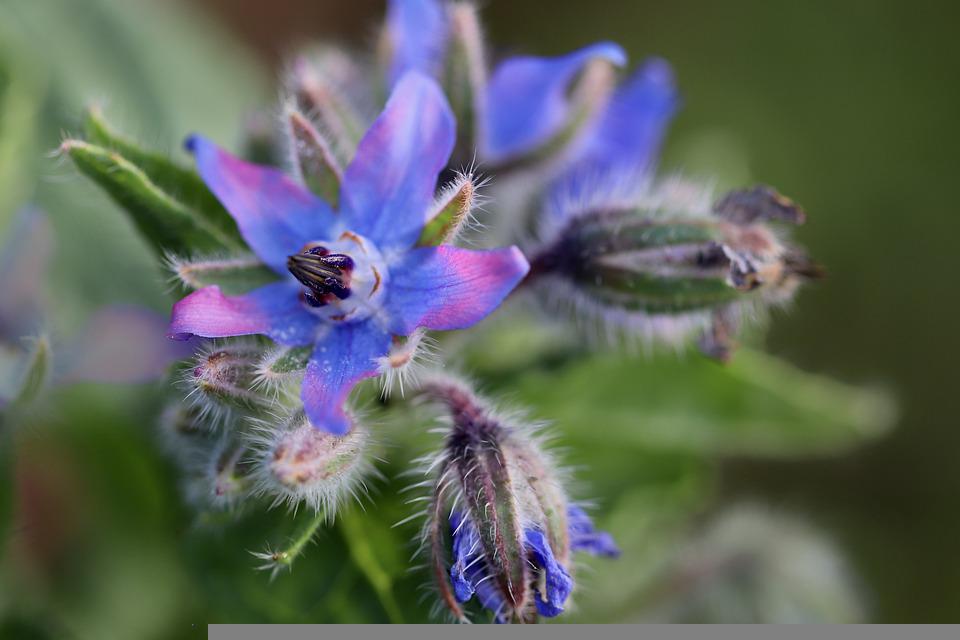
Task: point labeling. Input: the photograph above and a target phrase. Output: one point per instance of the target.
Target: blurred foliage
(102, 546)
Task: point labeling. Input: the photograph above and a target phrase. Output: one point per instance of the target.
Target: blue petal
(418, 32)
(466, 548)
(558, 583)
(389, 186)
(468, 573)
(627, 137)
(446, 287)
(526, 102)
(339, 361)
(584, 537)
(275, 215)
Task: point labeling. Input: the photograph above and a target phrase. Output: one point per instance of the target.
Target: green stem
(303, 536)
(366, 560)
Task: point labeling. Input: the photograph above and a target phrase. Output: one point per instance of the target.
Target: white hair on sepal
(604, 326)
(218, 381)
(218, 476)
(279, 380)
(182, 269)
(406, 360)
(588, 192)
(466, 191)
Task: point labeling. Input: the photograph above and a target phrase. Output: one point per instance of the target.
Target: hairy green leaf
(169, 224)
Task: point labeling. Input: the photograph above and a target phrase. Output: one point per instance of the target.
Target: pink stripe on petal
(451, 288)
(340, 360)
(389, 186)
(275, 215)
(273, 310)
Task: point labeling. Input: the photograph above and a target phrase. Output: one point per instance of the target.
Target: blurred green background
(848, 107)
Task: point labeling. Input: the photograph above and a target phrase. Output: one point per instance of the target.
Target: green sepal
(313, 158)
(282, 364)
(234, 275)
(452, 211)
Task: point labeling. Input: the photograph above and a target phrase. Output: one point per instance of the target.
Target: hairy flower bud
(297, 462)
(222, 475)
(665, 264)
(222, 377)
(500, 526)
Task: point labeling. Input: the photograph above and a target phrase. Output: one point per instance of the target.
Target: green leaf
(757, 405)
(167, 223)
(183, 184)
(20, 99)
(234, 275)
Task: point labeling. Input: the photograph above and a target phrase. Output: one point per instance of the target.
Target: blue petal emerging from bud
(469, 576)
(557, 584)
(584, 537)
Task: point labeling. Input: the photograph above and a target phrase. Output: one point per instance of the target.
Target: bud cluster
(241, 435)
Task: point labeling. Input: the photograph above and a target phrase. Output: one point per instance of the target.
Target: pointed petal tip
(191, 142)
(611, 51)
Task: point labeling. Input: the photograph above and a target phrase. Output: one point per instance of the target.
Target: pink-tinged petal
(447, 287)
(275, 215)
(526, 101)
(273, 310)
(417, 32)
(122, 345)
(390, 184)
(340, 360)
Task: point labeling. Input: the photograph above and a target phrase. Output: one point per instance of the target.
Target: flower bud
(222, 377)
(663, 266)
(296, 462)
(500, 514)
(222, 477)
(328, 86)
(183, 430)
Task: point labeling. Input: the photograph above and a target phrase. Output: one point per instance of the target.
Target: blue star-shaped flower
(352, 278)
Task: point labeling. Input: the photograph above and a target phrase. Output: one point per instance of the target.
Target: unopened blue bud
(501, 528)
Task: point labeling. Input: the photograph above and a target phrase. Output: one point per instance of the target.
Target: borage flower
(352, 278)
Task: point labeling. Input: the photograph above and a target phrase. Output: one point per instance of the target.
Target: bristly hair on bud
(655, 261)
(499, 525)
(329, 88)
(454, 209)
(221, 379)
(296, 463)
(405, 362)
